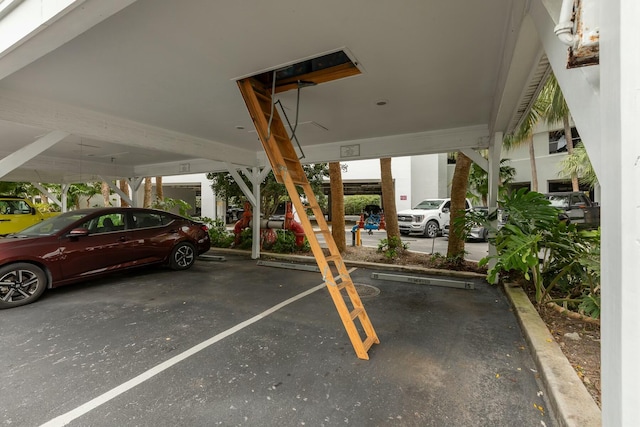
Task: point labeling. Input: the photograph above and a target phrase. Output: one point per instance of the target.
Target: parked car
(87, 243)
(479, 231)
(577, 208)
(427, 218)
(234, 213)
(17, 213)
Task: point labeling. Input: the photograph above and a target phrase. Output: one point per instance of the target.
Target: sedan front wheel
(20, 284)
(183, 256)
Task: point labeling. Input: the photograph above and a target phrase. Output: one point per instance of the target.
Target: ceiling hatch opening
(313, 71)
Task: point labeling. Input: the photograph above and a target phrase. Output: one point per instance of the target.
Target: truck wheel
(431, 229)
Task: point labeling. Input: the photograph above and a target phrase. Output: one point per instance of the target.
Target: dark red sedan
(87, 243)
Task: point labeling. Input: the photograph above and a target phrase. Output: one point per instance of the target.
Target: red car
(87, 243)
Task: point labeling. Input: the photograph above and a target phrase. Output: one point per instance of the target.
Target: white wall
(416, 178)
(208, 200)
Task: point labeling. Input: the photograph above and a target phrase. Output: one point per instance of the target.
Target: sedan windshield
(50, 226)
(429, 204)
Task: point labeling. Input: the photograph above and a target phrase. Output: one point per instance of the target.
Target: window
(105, 223)
(14, 207)
(558, 143)
(150, 219)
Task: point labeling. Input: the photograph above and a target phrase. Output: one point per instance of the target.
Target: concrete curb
(392, 267)
(571, 402)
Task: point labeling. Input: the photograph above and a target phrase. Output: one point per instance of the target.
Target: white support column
(65, 191)
(135, 183)
(47, 193)
(256, 176)
(619, 177)
(23, 155)
(236, 176)
(495, 152)
(256, 180)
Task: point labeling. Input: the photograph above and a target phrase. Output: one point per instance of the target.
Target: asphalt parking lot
(236, 344)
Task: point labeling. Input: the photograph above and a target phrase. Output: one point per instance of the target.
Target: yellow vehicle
(17, 213)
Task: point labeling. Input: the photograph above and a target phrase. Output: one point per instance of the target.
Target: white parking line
(65, 419)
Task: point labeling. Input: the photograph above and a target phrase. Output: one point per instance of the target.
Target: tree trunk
(459, 185)
(337, 206)
(575, 186)
(159, 190)
(124, 187)
(148, 199)
(532, 159)
(389, 199)
(106, 192)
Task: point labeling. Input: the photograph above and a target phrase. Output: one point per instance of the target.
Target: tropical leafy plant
(561, 261)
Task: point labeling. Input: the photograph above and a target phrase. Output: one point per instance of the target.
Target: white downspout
(564, 29)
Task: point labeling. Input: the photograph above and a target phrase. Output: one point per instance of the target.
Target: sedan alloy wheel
(20, 284)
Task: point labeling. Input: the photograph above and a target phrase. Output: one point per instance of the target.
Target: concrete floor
(208, 347)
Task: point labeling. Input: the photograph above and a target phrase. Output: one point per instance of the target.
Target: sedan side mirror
(78, 232)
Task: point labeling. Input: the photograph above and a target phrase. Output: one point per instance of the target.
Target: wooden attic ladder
(288, 170)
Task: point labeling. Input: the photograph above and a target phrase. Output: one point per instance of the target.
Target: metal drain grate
(366, 291)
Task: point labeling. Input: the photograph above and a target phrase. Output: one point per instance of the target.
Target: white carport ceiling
(150, 89)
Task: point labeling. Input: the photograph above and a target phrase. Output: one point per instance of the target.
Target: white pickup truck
(428, 217)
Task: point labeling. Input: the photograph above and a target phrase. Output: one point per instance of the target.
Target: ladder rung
(289, 159)
(369, 342)
(262, 96)
(356, 312)
(334, 258)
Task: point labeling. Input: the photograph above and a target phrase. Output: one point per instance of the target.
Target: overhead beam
(28, 152)
(477, 158)
(47, 193)
(69, 167)
(103, 127)
(432, 142)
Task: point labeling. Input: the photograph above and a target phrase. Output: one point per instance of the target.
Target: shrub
(392, 247)
(218, 233)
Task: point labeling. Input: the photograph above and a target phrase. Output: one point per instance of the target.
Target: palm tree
(556, 111)
(524, 135)
(159, 190)
(105, 190)
(578, 164)
(479, 181)
(124, 187)
(459, 185)
(389, 200)
(337, 206)
(148, 199)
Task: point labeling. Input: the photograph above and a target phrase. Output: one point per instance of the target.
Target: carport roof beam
(28, 152)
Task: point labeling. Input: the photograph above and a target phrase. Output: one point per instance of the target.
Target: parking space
(233, 343)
